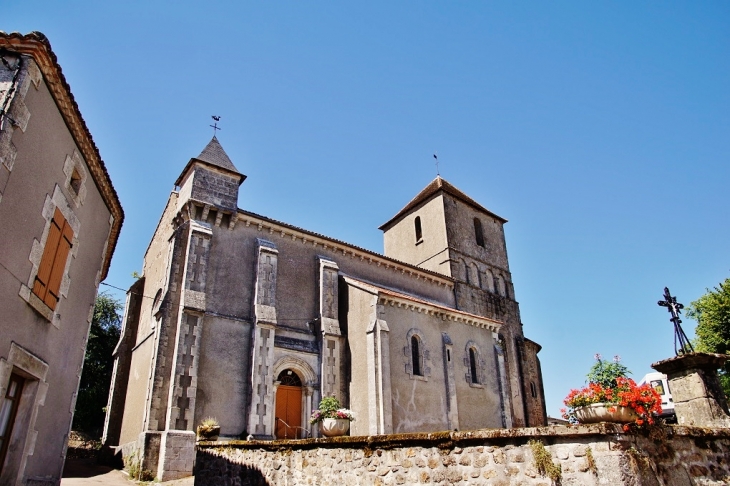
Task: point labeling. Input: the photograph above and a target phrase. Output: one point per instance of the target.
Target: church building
(252, 321)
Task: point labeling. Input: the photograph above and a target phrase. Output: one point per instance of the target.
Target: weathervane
(675, 308)
(436, 156)
(215, 123)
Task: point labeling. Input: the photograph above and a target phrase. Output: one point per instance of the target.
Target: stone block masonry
(587, 455)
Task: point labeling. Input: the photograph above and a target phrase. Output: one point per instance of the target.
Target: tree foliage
(712, 334)
(98, 365)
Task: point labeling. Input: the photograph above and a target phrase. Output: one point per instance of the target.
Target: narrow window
(50, 272)
(419, 232)
(8, 409)
(533, 390)
(473, 366)
(156, 300)
(75, 181)
(478, 232)
(416, 356)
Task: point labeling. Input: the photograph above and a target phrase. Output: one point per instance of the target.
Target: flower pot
(333, 427)
(210, 433)
(604, 412)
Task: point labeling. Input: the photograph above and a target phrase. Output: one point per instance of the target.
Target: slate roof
(434, 187)
(213, 154)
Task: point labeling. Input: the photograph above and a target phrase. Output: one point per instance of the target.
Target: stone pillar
(177, 455)
(332, 341)
(261, 414)
(380, 403)
(451, 402)
(502, 383)
(308, 407)
(698, 397)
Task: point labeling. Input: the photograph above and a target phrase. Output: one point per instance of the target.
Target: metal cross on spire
(216, 119)
(436, 156)
(675, 308)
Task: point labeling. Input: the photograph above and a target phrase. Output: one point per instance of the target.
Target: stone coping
(449, 440)
(691, 360)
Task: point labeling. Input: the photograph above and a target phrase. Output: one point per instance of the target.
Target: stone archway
(293, 390)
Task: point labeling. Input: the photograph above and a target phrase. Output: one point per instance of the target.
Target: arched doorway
(288, 416)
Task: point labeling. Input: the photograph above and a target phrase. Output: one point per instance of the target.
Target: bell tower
(211, 178)
(444, 230)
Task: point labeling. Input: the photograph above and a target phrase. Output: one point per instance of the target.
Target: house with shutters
(60, 219)
(252, 321)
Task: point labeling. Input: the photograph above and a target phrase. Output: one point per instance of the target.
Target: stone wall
(586, 455)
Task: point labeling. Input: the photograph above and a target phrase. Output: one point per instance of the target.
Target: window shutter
(50, 272)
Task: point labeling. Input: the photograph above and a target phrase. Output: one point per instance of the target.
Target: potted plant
(612, 397)
(209, 429)
(333, 420)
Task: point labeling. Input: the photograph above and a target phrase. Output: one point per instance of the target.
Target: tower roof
(435, 186)
(213, 154)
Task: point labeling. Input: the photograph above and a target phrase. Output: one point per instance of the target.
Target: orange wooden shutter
(53, 263)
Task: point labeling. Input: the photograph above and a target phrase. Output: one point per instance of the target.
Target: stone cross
(675, 308)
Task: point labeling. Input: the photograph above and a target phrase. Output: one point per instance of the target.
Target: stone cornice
(37, 46)
(442, 312)
(320, 241)
(394, 298)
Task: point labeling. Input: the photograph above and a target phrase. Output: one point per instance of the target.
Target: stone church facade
(252, 321)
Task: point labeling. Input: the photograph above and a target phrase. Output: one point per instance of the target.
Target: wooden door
(288, 412)
(8, 409)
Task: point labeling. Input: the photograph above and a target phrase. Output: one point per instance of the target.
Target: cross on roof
(215, 123)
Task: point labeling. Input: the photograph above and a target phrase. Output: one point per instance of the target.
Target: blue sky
(600, 130)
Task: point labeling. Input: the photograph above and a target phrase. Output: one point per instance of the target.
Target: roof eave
(194, 160)
(36, 45)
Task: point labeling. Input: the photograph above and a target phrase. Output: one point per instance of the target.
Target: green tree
(98, 365)
(712, 334)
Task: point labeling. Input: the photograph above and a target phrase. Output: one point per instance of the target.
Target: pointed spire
(214, 154)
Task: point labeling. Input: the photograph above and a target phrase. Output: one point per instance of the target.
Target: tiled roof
(436, 185)
(379, 289)
(36, 45)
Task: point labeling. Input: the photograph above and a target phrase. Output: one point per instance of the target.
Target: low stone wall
(580, 455)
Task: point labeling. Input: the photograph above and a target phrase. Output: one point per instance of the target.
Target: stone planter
(332, 427)
(599, 412)
(209, 433)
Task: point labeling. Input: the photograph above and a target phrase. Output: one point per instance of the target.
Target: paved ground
(85, 472)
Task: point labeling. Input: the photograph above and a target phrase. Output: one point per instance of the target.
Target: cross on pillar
(675, 309)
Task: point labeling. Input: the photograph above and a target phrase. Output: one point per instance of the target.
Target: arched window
(416, 356)
(289, 378)
(419, 232)
(156, 300)
(473, 366)
(478, 232)
(500, 285)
